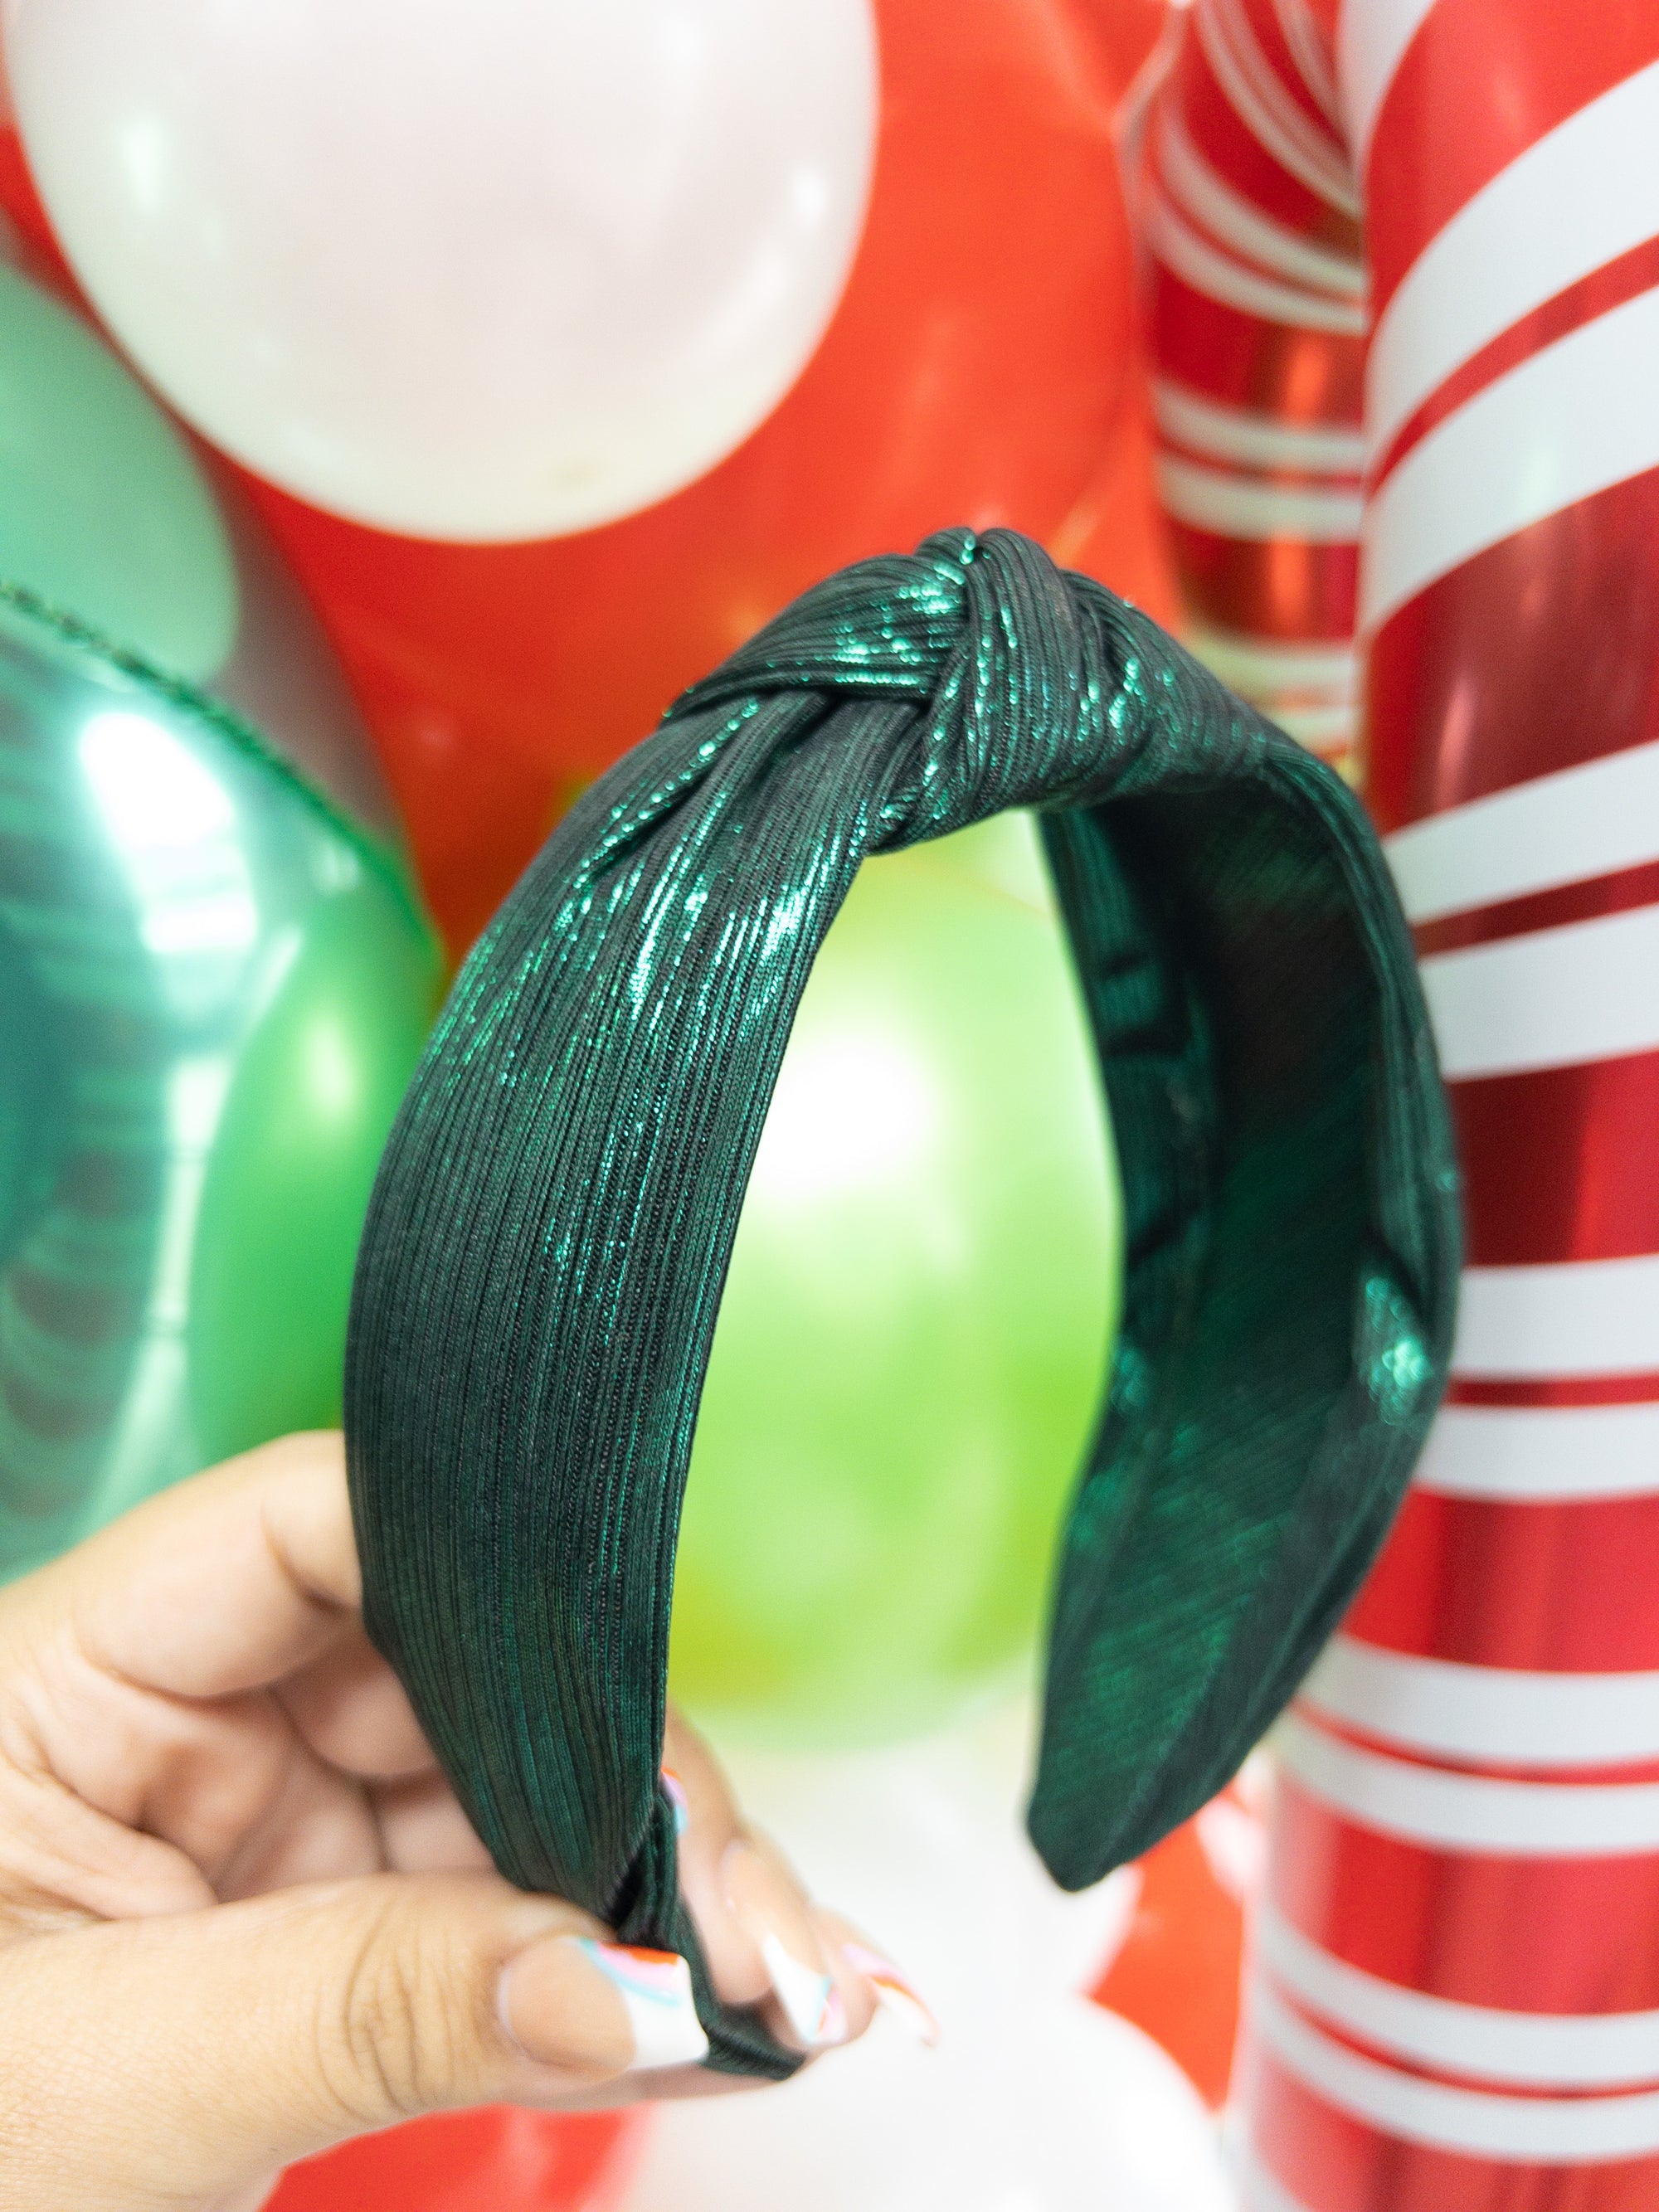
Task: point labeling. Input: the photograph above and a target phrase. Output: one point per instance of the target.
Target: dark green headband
(537, 1290)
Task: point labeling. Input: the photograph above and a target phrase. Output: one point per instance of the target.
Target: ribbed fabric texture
(538, 1281)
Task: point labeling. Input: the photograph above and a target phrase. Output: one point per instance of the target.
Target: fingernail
(893, 1993)
(674, 1790)
(776, 1923)
(606, 2007)
(811, 2002)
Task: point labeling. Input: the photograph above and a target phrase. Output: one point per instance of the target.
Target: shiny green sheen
(545, 1249)
(213, 989)
(910, 1350)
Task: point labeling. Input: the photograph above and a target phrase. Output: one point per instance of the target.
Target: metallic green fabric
(539, 1279)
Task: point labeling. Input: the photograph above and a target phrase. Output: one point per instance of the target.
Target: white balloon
(1035, 2099)
(921, 1841)
(1051, 2108)
(489, 271)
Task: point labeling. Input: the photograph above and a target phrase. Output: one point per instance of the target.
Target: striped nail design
(811, 2002)
(655, 1986)
(674, 1790)
(893, 1993)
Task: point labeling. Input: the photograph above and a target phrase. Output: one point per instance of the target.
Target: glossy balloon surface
(975, 371)
(978, 369)
(218, 989)
(105, 510)
(112, 514)
(911, 1346)
(483, 277)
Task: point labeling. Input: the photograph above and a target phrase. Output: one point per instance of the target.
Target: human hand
(242, 1916)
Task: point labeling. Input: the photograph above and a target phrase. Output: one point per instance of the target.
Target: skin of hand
(241, 1915)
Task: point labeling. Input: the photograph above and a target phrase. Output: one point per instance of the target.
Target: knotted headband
(537, 1284)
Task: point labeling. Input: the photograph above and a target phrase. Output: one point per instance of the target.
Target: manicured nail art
(893, 1993)
(774, 1916)
(674, 1790)
(811, 2002)
(655, 1986)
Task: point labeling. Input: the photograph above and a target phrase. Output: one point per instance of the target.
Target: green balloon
(213, 989)
(912, 1345)
(104, 509)
(287, 1183)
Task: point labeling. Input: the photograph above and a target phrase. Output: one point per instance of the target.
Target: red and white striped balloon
(1455, 1995)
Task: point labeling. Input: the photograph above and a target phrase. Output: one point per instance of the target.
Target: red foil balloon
(1456, 2001)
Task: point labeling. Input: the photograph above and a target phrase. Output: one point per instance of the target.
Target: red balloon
(1175, 1974)
(975, 371)
(500, 2159)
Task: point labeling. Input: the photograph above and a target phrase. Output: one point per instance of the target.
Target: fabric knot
(542, 1264)
(1026, 686)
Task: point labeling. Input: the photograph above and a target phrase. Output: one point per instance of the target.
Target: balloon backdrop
(217, 989)
(486, 283)
(953, 1334)
(910, 1347)
(964, 376)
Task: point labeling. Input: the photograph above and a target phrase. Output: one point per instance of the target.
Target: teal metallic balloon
(110, 512)
(103, 507)
(913, 1338)
(213, 988)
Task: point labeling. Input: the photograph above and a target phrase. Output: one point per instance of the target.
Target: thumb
(174, 2060)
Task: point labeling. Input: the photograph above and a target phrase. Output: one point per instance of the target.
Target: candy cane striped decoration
(1455, 1993)
(1258, 317)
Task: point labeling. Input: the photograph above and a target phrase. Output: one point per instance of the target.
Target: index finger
(225, 1582)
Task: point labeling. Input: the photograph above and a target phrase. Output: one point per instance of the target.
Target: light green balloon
(913, 1341)
(104, 509)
